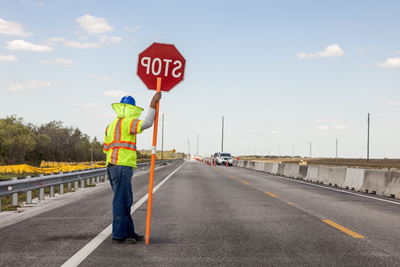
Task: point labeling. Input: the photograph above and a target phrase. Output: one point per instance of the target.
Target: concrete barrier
(291, 170)
(337, 176)
(259, 166)
(354, 179)
(378, 182)
(393, 188)
(302, 172)
(312, 173)
(375, 182)
(281, 168)
(323, 174)
(274, 169)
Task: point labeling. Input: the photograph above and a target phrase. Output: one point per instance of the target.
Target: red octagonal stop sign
(164, 61)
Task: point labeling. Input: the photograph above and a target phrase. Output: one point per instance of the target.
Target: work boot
(129, 240)
(137, 237)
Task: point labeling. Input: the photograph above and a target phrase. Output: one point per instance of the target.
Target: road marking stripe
(232, 176)
(245, 182)
(290, 203)
(92, 245)
(343, 229)
(270, 194)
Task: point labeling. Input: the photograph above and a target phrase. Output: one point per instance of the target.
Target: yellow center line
(270, 194)
(290, 203)
(245, 182)
(343, 229)
(232, 176)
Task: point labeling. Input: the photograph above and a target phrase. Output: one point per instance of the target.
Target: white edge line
(84, 252)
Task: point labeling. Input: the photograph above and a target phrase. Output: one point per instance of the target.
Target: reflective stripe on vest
(117, 137)
(134, 125)
(120, 144)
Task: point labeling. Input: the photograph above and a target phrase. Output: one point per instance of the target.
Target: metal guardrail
(14, 186)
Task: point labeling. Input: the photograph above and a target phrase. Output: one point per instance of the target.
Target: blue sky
(282, 73)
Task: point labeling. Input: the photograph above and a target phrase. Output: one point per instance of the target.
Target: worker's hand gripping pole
(153, 163)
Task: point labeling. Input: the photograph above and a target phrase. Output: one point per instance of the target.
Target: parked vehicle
(224, 157)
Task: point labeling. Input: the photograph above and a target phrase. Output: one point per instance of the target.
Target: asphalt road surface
(216, 216)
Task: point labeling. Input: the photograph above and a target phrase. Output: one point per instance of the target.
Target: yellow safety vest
(120, 135)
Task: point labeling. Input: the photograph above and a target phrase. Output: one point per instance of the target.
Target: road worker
(120, 147)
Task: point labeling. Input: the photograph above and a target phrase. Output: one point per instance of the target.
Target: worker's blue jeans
(121, 183)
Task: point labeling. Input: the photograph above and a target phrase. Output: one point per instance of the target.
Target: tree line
(26, 143)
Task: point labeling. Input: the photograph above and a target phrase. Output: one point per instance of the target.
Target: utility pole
(336, 148)
(368, 141)
(197, 145)
(91, 157)
(162, 139)
(222, 142)
(279, 153)
(188, 148)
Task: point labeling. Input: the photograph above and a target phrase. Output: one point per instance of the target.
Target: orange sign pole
(153, 163)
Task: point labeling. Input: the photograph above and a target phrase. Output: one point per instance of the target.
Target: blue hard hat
(128, 100)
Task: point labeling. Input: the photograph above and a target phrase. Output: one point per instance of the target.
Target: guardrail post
(14, 197)
(106, 177)
(82, 183)
(61, 188)
(97, 179)
(41, 191)
(52, 189)
(88, 181)
(28, 193)
(76, 186)
(69, 186)
(92, 183)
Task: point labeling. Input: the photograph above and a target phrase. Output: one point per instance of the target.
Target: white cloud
(115, 93)
(335, 121)
(8, 58)
(67, 99)
(38, 4)
(22, 45)
(94, 25)
(271, 132)
(321, 121)
(340, 127)
(30, 84)
(393, 104)
(133, 29)
(385, 128)
(109, 39)
(90, 105)
(322, 127)
(330, 51)
(100, 79)
(74, 44)
(13, 28)
(390, 63)
(83, 38)
(397, 52)
(24, 2)
(58, 60)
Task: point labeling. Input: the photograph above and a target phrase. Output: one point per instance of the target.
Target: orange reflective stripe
(137, 124)
(116, 158)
